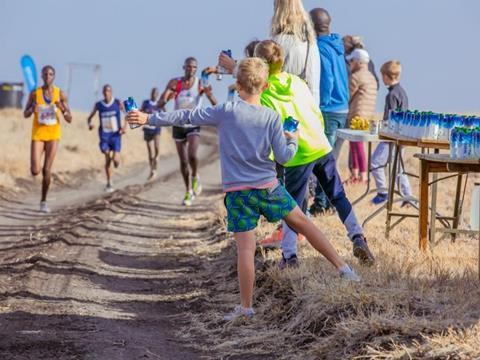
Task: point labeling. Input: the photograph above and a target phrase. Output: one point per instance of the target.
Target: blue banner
(29, 72)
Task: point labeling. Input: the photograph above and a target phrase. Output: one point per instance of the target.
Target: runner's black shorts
(181, 133)
(149, 134)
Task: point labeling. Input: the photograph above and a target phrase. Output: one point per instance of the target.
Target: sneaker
(239, 311)
(44, 207)
(291, 263)
(109, 188)
(188, 199)
(361, 250)
(349, 274)
(273, 240)
(196, 186)
(317, 209)
(379, 198)
(153, 175)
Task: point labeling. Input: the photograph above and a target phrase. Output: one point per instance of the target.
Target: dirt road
(104, 277)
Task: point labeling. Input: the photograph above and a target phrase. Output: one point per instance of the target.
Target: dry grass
(408, 306)
(78, 154)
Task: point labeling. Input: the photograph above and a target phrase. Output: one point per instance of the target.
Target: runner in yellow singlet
(46, 103)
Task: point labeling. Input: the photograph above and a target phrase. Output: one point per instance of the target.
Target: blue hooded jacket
(334, 94)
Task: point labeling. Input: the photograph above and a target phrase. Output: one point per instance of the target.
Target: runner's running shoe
(109, 188)
(196, 186)
(188, 199)
(44, 207)
(153, 175)
(238, 312)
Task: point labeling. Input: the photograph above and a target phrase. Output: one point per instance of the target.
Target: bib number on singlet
(47, 115)
(109, 124)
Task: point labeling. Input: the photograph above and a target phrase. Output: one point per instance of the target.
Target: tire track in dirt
(105, 279)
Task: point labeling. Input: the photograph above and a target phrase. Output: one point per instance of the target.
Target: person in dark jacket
(396, 99)
(334, 93)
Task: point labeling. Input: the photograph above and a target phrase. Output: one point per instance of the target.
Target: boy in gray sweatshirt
(248, 133)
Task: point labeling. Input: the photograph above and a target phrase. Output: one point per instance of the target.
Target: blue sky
(143, 43)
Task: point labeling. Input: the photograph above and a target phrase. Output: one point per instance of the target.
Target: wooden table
(398, 142)
(434, 164)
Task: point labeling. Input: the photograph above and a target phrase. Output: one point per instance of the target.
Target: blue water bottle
(220, 69)
(204, 79)
(454, 143)
(290, 124)
(476, 143)
(130, 105)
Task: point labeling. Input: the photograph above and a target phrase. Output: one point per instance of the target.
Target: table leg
(456, 209)
(369, 169)
(433, 210)
(391, 190)
(423, 216)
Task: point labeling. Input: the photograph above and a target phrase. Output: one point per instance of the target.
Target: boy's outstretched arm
(284, 144)
(199, 117)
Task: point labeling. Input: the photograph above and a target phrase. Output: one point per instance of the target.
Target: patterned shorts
(245, 207)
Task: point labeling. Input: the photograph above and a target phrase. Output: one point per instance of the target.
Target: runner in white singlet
(187, 93)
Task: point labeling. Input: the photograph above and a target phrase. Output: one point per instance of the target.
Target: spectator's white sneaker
(347, 273)
(238, 312)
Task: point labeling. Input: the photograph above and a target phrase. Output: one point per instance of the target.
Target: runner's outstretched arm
(90, 117)
(64, 108)
(209, 93)
(167, 95)
(30, 106)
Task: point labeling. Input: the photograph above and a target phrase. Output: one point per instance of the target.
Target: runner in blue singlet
(151, 134)
(110, 130)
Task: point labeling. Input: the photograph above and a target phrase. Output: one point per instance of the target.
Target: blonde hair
(392, 69)
(252, 75)
(272, 53)
(290, 17)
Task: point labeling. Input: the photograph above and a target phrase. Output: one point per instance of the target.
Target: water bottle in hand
(130, 105)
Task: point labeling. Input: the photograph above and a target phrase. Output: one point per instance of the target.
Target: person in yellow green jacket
(289, 95)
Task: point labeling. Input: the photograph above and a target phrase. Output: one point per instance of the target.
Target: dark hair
(48, 67)
(250, 48)
(189, 59)
(105, 86)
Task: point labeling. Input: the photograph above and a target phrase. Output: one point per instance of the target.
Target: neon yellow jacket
(289, 95)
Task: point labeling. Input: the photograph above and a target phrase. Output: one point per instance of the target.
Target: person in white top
(187, 92)
(293, 30)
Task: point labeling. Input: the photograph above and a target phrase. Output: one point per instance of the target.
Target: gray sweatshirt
(247, 135)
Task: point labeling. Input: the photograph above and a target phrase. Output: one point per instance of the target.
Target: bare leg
(50, 153)
(36, 150)
(150, 156)
(108, 167)
(116, 159)
(301, 224)
(183, 157)
(193, 144)
(156, 143)
(246, 266)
